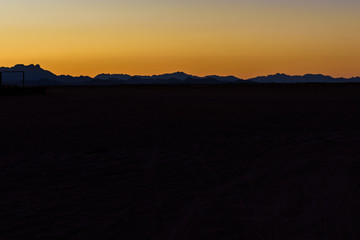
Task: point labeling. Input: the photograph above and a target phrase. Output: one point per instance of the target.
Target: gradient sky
(244, 38)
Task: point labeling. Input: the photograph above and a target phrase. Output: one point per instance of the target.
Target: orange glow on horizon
(245, 40)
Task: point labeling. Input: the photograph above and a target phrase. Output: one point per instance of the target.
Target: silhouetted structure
(23, 77)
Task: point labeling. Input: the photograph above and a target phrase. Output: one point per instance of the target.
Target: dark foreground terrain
(165, 162)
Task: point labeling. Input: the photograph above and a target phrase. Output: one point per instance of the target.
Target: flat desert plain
(246, 161)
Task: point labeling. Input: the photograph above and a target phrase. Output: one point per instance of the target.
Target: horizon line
(194, 75)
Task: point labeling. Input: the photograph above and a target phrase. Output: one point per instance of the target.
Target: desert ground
(181, 162)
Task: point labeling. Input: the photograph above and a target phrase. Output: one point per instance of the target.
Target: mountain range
(36, 76)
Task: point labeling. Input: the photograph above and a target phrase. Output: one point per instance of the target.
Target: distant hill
(37, 76)
(32, 72)
(171, 78)
(308, 78)
(122, 77)
(177, 75)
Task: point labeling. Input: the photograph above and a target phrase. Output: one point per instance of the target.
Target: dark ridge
(36, 76)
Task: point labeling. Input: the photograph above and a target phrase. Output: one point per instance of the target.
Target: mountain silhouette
(307, 78)
(37, 76)
(177, 75)
(108, 76)
(224, 79)
(32, 73)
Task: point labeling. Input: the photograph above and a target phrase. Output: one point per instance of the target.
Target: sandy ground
(141, 162)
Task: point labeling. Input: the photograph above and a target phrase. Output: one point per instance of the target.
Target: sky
(244, 38)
